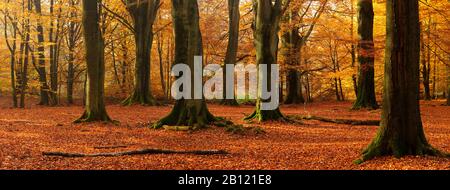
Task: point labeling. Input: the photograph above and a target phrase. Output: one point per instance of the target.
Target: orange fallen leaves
(25, 134)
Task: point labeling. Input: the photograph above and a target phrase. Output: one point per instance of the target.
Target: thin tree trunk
(41, 51)
(232, 48)
(366, 55)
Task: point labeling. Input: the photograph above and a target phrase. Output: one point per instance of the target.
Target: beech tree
(366, 56)
(232, 48)
(144, 14)
(94, 46)
(188, 44)
(401, 132)
(266, 27)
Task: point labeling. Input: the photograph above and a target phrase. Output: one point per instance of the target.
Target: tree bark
(266, 28)
(44, 90)
(144, 15)
(292, 44)
(448, 82)
(366, 56)
(188, 43)
(232, 48)
(94, 46)
(401, 132)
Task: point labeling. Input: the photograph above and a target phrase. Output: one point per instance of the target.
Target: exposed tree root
(140, 99)
(377, 149)
(341, 121)
(268, 115)
(98, 117)
(192, 113)
(136, 152)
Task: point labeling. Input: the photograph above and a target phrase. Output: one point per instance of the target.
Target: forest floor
(26, 133)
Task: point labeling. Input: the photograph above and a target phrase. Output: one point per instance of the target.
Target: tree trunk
(266, 28)
(291, 50)
(94, 107)
(73, 37)
(41, 51)
(12, 48)
(143, 14)
(425, 67)
(448, 82)
(353, 49)
(161, 62)
(188, 43)
(232, 48)
(366, 56)
(401, 132)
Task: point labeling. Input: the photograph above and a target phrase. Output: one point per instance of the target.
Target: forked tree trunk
(94, 107)
(188, 44)
(401, 132)
(266, 28)
(143, 14)
(366, 55)
(233, 41)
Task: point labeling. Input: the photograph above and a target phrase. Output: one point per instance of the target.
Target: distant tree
(401, 132)
(94, 46)
(232, 48)
(144, 14)
(44, 89)
(366, 57)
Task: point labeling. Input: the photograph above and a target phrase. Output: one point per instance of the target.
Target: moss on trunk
(401, 132)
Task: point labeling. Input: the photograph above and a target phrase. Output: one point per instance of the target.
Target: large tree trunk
(266, 28)
(366, 55)
(94, 107)
(44, 100)
(188, 43)
(233, 41)
(143, 14)
(401, 132)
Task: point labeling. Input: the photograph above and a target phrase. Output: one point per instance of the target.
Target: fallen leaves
(311, 145)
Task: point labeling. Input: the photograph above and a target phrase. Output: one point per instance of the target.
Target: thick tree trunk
(233, 41)
(143, 14)
(366, 55)
(266, 28)
(188, 43)
(94, 107)
(401, 132)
